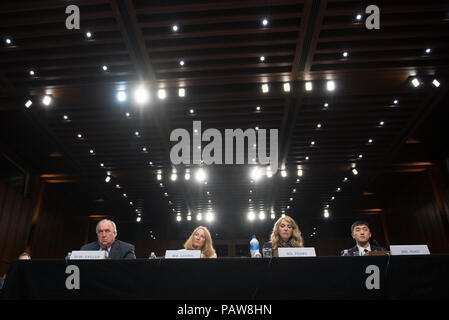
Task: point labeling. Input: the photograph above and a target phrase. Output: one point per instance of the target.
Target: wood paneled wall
(48, 227)
(414, 215)
(15, 218)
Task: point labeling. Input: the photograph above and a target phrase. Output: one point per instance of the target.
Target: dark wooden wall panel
(414, 217)
(15, 218)
(60, 227)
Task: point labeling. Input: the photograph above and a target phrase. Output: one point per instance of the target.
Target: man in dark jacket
(361, 233)
(112, 248)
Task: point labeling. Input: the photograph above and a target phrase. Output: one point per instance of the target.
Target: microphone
(267, 245)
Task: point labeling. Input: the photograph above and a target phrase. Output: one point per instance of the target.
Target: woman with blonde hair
(200, 239)
(285, 234)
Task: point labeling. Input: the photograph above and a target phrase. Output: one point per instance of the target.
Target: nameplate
(409, 250)
(87, 255)
(182, 254)
(296, 252)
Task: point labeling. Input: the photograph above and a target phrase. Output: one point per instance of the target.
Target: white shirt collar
(362, 250)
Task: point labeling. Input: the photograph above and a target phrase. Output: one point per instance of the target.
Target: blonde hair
(295, 240)
(207, 251)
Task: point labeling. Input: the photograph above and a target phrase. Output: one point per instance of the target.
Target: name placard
(296, 252)
(409, 250)
(182, 254)
(87, 255)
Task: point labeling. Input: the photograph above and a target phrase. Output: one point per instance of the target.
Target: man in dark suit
(112, 248)
(361, 233)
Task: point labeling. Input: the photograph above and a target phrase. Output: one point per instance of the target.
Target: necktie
(365, 251)
(105, 253)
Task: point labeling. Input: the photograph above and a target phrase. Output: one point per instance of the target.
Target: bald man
(106, 242)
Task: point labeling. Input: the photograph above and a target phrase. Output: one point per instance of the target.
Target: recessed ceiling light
(28, 103)
(91, 151)
(436, 83)
(345, 54)
(181, 92)
(181, 63)
(66, 117)
(395, 101)
(105, 68)
(192, 111)
(381, 123)
(121, 96)
(307, 158)
(79, 136)
(175, 28)
(46, 100)
(428, 50)
(89, 34)
(370, 141)
(265, 88)
(265, 22)
(416, 82)
(141, 95)
(309, 86)
(136, 133)
(326, 105)
(161, 94)
(262, 58)
(32, 73)
(330, 85)
(312, 143)
(360, 156)
(286, 87)
(358, 17)
(318, 125)
(144, 149)
(8, 41)
(258, 108)
(127, 114)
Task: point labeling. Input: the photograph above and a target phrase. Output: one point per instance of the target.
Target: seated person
(200, 239)
(113, 249)
(285, 234)
(361, 233)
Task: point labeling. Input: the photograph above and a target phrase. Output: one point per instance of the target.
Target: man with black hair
(361, 233)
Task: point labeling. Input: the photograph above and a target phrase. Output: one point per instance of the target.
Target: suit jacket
(119, 249)
(356, 249)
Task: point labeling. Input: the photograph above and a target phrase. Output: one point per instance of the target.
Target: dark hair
(359, 223)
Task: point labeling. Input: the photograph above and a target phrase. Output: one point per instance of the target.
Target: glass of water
(267, 252)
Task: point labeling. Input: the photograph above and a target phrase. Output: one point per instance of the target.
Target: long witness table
(374, 277)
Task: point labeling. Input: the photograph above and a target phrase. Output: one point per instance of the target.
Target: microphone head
(268, 245)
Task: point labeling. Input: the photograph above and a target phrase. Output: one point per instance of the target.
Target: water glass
(267, 252)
